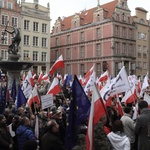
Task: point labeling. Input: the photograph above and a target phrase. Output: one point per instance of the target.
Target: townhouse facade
(104, 35)
(33, 21)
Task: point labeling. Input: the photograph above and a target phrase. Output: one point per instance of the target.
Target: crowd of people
(112, 132)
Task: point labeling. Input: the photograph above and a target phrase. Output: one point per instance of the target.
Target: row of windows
(36, 26)
(9, 4)
(139, 65)
(35, 55)
(12, 21)
(26, 41)
(98, 31)
(26, 55)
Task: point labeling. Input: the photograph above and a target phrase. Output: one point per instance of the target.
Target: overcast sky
(69, 7)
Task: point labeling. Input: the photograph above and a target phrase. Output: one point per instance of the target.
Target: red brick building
(103, 35)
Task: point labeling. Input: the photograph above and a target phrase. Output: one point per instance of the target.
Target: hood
(21, 129)
(118, 140)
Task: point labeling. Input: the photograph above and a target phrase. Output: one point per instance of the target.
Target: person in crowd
(117, 137)
(50, 140)
(12, 129)
(30, 145)
(129, 125)
(142, 126)
(6, 141)
(24, 132)
(100, 137)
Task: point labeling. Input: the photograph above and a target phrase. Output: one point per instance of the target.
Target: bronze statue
(13, 48)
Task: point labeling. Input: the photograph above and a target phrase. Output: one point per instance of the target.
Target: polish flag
(119, 107)
(54, 88)
(33, 98)
(96, 112)
(147, 99)
(29, 78)
(40, 77)
(45, 77)
(58, 64)
(88, 74)
(130, 96)
(104, 77)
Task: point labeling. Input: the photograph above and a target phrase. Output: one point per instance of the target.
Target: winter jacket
(129, 126)
(141, 129)
(119, 141)
(24, 134)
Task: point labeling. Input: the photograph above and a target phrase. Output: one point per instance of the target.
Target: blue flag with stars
(78, 113)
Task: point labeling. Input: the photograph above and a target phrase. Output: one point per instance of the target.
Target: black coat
(50, 141)
(141, 129)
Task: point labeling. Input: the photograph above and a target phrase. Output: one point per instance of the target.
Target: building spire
(98, 3)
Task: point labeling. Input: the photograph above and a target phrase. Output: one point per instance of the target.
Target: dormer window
(141, 21)
(98, 17)
(75, 24)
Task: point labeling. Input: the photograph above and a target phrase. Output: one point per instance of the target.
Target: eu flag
(78, 113)
(13, 90)
(21, 99)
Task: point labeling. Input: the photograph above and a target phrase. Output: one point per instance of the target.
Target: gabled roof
(86, 16)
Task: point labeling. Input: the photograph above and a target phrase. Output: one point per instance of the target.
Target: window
(117, 48)
(9, 5)
(144, 65)
(1, 4)
(26, 40)
(44, 28)
(14, 21)
(130, 49)
(56, 54)
(35, 41)
(141, 21)
(44, 42)
(35, 55)
(117, 30)
(123, 48)
(123, 17)
(82, 36)
(98, 69)
(82, 69)
(26, 55)
(44, 56)
(57, 42)
(68, 39)
(98, 49)
(68, 68)
(68, 53)
(123, 32)
(35, 26)
(75, 24)
(4, 54)
(26, 24)
(98, 17)
(5, 40)
(98, 32)
(4, 19)
(139, 65)
(82, 52)
(144, 49)
(130, 33)
(139, 35)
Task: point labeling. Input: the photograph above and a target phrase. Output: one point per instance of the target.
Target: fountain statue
(13, 66)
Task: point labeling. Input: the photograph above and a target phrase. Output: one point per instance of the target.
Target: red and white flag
(96, 112)
(88, 74)
(45, 77)
(33, 98)
(144, 85)
(29, 78)
(55, 87)
(130, 96)
(58, 64)
(40, 77)
(104, 77)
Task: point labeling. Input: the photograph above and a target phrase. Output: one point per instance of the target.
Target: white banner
(47, 101)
